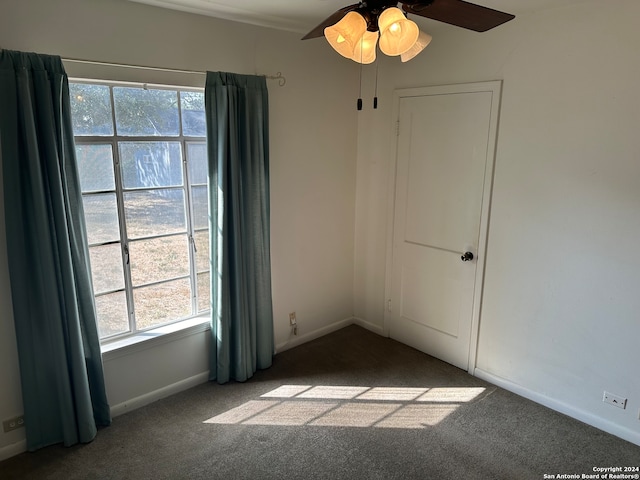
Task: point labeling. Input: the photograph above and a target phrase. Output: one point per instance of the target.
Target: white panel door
(444, 162)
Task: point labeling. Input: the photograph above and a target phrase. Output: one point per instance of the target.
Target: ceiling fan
(353, 31)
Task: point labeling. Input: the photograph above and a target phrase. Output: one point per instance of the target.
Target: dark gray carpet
(430, 421)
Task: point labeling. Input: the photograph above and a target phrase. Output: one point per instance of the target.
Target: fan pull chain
(375, 95)
(360, 92)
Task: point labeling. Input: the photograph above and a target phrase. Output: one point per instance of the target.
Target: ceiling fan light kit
(365, 51)
(397, 33)
(354, 30)
(345, 35)
(424, 39)
(352, 38)
(349, 30)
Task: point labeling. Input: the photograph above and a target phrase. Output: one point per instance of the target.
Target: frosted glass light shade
(344, 35)
(365, 51)
(397, 33)
(424, 39)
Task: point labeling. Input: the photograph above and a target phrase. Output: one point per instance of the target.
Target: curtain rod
(278, 76)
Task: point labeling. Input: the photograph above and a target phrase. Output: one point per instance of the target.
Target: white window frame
(197, 321)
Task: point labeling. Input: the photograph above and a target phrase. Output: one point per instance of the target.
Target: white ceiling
(303, 15)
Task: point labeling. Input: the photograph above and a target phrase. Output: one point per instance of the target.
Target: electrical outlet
(13, 423)
(293, 322)
(614, 400)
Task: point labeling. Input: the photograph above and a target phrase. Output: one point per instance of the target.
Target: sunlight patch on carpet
(455, 395)
(286, 391)
(417, 416)
(343, 393)
(291, 413)
(356, 415)
(243, 412)
(350, 406)
(393, 394)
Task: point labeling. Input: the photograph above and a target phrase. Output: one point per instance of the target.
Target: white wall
(559, 316)
(313, 152)
(559, 321)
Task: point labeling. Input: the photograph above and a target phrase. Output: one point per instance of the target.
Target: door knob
(467, 257)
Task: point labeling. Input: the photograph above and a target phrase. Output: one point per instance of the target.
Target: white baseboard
(558, 406)
(378, 329)
(150, 397)
(203, 377)
(124, 407)
(13, 449)
(307, 337)
(163, 392)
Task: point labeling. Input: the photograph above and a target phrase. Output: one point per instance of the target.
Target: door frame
(495, 88)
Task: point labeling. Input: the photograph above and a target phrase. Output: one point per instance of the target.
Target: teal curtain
(238, 150)
(53, 305)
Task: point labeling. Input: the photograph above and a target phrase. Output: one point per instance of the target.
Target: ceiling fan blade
(335, 18)
(459, 13)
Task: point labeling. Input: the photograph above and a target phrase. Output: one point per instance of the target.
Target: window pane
(159, 259)
(101, 216)
(95, 166)
(106, 268)
(90, 109)
(162, 303)
(197, 161)
(142, 112)
(154, 212)
(200, 207)
(151, 164)
(193, 120)
(202, 250)
(153, 200)
(112, 314)
(204, 292)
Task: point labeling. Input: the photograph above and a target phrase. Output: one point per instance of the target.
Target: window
(143, 172)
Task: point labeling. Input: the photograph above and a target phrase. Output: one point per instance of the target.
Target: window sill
(157, 336)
